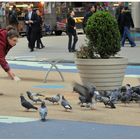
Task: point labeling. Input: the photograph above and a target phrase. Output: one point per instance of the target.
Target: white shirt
(30, 15)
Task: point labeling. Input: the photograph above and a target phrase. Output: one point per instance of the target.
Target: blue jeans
(126, 34)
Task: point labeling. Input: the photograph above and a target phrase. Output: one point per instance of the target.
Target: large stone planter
(105, 74)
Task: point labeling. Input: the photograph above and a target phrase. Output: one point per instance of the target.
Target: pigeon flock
(88, 97)
(43, 111)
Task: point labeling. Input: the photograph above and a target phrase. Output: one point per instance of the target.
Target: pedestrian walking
(39, 33)
(118, 9)
(31, 21)
(71, 31)
(92, 10)
(127, 22)
(8, 39)
(120, 20)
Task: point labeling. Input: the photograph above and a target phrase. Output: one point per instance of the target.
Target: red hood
(3, 40)
(3, 34)
(4, 48)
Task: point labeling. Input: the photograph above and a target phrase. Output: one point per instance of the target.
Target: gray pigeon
(115, 96)
(127, 94)
(85, 91)
(54, 99)
(136, 89)
(82, 100)
(107, 102)
(65, 104)
(97, 95)
(43, 111)
(27, 104)
(135, 97)
(34, 97)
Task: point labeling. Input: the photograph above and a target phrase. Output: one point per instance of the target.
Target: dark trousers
(31, 37)
(28, 33)
(39, 42)
(71, 46)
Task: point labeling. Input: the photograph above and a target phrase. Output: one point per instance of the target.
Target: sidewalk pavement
(56, 47)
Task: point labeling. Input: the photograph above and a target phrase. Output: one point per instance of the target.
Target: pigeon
(135, 97)
(107, 102)
(123, 89)
(83, 102)
(65, 104)
(34, 96)
(106, 93)
(86, 94)
(136, 89)
(126, 98)
(27, 104)
(54, 99)
(85, 91)
(115, 96)
(97, 95)
(127, 94)
(43, 111)
(82, 99)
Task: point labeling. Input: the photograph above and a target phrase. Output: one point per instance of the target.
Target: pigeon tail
(112, 105)
(35, 108)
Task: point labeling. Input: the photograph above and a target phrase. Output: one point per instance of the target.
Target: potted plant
(97, 62)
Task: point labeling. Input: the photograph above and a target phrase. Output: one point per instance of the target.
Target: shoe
(31, 50)
(37, 47)
(29, 46)
(43, 47)
(133, 46)
(73, 50)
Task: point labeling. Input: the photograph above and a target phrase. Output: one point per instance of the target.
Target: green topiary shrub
(103, 35)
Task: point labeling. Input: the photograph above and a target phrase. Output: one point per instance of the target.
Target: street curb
(63, 61)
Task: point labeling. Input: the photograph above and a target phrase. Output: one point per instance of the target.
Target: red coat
(4, 48)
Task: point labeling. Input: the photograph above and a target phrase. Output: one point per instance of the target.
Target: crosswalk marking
(12, 119)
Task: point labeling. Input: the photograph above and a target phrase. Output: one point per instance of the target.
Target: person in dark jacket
(92, 10)
(31, 21)
(39, 33)
(13, 18)
(127, 22)
(119, 9)
(119, 20)
(71, 31)
(8, 39)
(118, 15)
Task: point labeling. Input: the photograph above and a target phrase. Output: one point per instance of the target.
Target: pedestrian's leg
(38, 42)
(33, 40)
(28, 33)
(70, 41)
(75, 39)
(123, 37)
(16, 27)
(121, 32)
(130, 39)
